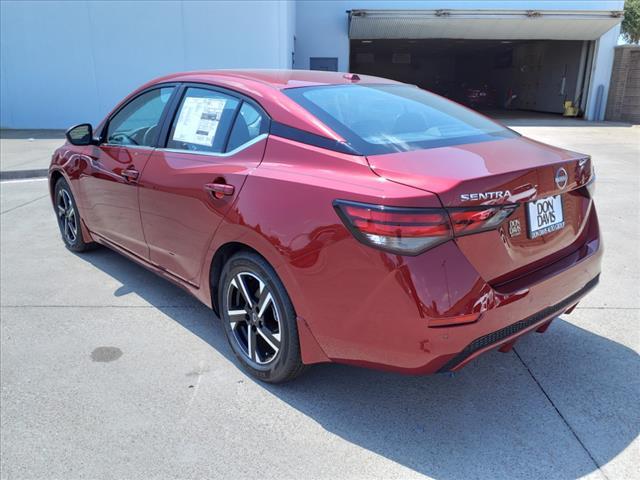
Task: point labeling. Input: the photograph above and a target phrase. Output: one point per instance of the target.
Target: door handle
(219, 190)
(130, 174)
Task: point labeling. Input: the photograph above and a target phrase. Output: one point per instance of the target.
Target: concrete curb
(20, 174)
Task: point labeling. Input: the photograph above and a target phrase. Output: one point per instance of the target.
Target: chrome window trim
(122, 145)
(218, 154)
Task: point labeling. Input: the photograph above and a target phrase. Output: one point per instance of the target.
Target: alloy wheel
(67, 216)
(254, 318)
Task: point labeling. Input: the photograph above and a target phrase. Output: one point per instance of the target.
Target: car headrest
(410, 122)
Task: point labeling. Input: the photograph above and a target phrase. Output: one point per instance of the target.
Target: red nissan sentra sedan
(331, 217)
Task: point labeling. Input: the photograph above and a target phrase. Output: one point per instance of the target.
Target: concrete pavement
(27, 151)
(173, 404)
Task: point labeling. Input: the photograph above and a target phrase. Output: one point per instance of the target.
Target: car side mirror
(81, 134)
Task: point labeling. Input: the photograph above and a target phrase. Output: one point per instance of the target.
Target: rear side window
(383, 118)
(248, 125)
(202, 121)
(138, 122)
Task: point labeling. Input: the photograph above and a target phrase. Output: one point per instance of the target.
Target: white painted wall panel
(66, 62)
(63, 62)
(46, 69)
(601, 73)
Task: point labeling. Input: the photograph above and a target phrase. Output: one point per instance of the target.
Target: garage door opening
(487, 75)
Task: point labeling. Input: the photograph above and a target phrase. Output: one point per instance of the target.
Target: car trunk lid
(506, 171)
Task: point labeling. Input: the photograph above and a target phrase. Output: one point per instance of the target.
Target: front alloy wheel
(67, 217)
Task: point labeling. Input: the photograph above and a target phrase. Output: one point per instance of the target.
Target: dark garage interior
(487, 75)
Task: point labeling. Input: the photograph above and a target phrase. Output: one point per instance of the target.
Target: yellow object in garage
(570, 110)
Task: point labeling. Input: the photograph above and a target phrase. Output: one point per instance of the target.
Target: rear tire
(259, 319)
(69, 218)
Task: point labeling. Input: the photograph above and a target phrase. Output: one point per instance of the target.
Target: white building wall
(601, 73)
(289, 14)
(67, 62)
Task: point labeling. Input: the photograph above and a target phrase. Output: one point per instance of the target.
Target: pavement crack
(566, 422)
(24, 204)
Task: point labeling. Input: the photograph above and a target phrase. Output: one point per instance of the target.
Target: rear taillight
(410, 231)
(406, 231)
(478, 219)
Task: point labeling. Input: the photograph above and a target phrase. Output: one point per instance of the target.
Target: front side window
(203, 121)
(384, 118)
(138, 123)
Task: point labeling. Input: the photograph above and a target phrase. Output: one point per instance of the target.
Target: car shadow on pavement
(500, 417)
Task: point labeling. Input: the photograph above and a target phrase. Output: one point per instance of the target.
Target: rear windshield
(377, 119)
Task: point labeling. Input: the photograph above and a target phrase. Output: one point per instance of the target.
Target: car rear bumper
(534, 307)
(385, 335)
(369, 308)
(510, 333)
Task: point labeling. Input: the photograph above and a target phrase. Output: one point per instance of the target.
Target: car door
(215, 139)
(111, 186)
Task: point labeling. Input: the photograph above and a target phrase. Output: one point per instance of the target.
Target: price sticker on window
(198, 121)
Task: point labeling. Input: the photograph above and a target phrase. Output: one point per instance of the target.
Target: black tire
(69, 218)
(275, 357)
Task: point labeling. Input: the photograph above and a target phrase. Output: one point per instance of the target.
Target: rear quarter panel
(338, 286)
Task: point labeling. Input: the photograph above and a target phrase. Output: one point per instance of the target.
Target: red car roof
(265, 86)
(279, 79)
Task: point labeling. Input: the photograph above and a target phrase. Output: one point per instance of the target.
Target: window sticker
(198, 120)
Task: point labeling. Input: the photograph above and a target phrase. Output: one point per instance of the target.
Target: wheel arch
(310, 348)
(54, 176)
(223, 253)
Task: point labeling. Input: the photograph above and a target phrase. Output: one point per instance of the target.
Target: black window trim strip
(169, 118)
(308, 138)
